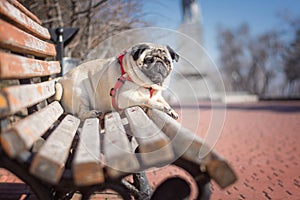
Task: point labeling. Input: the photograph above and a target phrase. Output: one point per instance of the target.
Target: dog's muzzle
(161, 69)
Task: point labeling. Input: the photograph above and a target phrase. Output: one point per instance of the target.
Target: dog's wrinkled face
(155, 62)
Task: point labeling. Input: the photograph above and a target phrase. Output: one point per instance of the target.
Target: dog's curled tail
(58, 92)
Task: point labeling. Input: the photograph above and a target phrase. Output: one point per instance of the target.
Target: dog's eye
(148, 60)
(167, 61)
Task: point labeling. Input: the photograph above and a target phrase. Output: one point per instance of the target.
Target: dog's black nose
(161, 68)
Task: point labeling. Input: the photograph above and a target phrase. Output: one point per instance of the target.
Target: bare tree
(292, 60)
(232, 47)
(97, 19)
(250, 63)
(265, 61)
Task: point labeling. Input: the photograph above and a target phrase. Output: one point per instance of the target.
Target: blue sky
(261, 15)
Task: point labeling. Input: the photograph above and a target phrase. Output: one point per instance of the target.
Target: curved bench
(57, 154)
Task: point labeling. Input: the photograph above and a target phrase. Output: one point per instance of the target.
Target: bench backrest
(25, 58)
(27, 69)
(27, 72)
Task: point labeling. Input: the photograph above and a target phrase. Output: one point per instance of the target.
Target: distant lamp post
(62, 37)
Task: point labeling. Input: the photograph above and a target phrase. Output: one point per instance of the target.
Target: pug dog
(135, 78)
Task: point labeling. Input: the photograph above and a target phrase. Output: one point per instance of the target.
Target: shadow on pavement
(286, 106)
(16, 191)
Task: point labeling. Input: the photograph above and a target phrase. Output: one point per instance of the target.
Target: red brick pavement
(259, 140)
(262, 144)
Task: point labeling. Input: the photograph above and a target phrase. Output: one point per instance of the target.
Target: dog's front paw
(91, 114)
(172, 113)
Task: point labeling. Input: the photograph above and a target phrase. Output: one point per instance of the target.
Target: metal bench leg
(141, 183)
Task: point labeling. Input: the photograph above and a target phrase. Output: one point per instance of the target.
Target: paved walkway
(261, 143)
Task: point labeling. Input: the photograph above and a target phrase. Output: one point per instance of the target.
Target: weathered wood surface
(22, 20)
(18, 67)
(17, 40)
(15, 98)
(49, 162)
(26, 131)
(188, 145)
(154, 147)
(24, 10)
(87, 167)
(119, 156)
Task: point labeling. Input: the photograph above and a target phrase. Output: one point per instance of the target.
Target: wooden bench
(57, 154)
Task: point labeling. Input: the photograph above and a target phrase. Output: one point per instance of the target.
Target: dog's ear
(138, 50)
(174, 55)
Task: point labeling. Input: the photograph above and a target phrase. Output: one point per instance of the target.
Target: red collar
(151, 90)
(120, 59)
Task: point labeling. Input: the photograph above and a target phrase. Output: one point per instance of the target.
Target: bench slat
(16, 67)
(24, 10)
(26, 131)
(188, 145)
(22, 20)
(119, 156)
(154, 146)
(19, 41)
(49, 162)
(22, 96)
(87, 168)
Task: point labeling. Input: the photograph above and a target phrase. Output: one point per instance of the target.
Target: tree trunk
(58, 13)
(89, 25)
